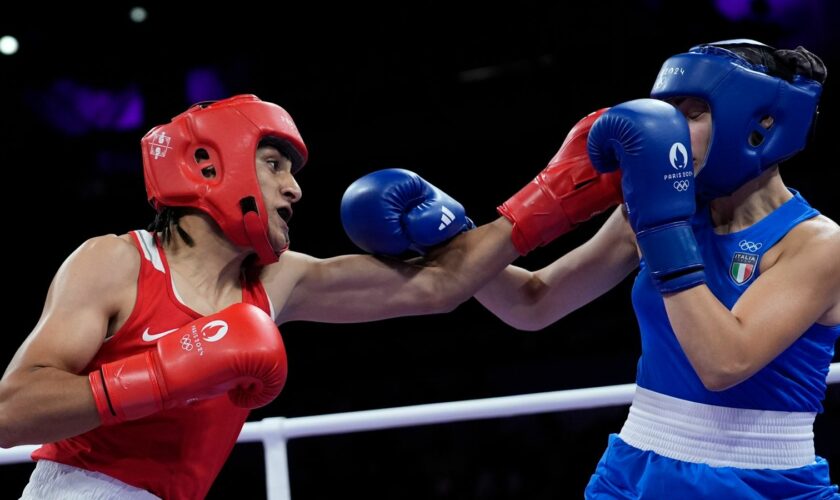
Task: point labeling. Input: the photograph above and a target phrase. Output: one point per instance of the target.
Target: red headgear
(205, 159)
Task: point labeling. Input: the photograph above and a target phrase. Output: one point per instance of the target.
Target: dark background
(474, 98)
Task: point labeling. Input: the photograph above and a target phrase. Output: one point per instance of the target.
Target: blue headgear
(740, 95)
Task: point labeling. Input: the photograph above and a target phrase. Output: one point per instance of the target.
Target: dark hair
(165, 220)
(782, 63)
(285, 149)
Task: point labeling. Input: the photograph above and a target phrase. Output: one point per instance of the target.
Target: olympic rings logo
(749, 245)
(681, 186)
(186, 343)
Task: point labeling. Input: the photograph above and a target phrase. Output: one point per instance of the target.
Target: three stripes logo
(446, 218)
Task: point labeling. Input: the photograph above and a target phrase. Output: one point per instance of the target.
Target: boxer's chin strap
(259, 239)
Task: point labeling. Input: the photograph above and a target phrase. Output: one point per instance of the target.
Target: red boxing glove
(237, 350)
(567, 192)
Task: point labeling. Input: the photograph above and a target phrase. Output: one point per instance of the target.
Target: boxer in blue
(738, 291)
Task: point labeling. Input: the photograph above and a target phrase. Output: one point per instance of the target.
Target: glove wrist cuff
(670, 252)
(107, 415)
(537, 217)
(132, 387)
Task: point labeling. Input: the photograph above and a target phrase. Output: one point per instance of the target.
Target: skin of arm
(43, 396)
(798, 286)
(358, 288)
(532, 300)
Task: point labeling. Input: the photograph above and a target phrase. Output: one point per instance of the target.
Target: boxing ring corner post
(274, 432)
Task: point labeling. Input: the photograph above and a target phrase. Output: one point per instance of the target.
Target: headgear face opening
(740, 95)
(205, 159)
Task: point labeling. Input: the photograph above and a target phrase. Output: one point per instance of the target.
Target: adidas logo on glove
(446, 218)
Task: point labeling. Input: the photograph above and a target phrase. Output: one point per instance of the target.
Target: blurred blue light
(204, 84)
(76, 109)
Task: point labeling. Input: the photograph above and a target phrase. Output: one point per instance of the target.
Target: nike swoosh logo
(151, 337)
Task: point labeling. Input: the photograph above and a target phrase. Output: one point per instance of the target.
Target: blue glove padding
(649, 140)
(393, 210)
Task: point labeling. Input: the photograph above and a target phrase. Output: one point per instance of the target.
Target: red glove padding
(237, 350)
(567, 192)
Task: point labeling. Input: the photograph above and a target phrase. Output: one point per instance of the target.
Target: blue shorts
(628, 472)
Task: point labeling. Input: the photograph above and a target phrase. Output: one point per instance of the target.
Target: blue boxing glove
(649, 140)
(394, 210)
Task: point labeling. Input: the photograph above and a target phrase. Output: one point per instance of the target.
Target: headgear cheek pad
(205, 158)
(740, 95)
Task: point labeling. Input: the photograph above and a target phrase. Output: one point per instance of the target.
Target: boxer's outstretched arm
(389, 211)
(531, 300)
(43, 394)
(354, 288)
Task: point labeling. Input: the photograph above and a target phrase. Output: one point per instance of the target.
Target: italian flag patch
(743, 267)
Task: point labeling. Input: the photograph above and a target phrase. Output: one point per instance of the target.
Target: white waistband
(719, 436)
(56, 480)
